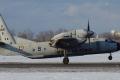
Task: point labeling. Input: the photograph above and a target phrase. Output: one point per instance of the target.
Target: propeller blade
(88, 28)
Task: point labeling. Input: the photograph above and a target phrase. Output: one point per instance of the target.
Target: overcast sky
(42, 15)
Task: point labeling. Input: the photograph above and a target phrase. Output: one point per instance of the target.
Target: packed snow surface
(60, 76)
(87, 58)
(37, 75)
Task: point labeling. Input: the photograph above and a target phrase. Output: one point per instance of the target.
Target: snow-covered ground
(60, 76)
(4, 75)
(86, 58)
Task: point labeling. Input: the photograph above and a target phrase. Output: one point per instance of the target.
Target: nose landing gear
(110, 57)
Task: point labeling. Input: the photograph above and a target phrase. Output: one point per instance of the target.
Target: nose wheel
(110, 57)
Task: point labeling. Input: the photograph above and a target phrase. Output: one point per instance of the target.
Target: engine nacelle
(78, 35)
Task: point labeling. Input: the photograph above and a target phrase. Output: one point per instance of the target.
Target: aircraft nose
(118, 46)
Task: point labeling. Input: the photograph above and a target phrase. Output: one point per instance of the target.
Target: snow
(87, 58)
(39, 75)
(60, 76)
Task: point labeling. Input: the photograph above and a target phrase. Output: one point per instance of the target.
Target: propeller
(89, 33)
(88, 29)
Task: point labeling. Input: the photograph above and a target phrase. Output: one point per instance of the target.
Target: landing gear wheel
(110, 57)
(65, 60)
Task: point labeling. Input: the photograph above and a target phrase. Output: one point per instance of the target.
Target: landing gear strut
(65, 59)
(110, 57)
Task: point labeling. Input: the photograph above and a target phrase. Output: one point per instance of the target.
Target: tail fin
(5, 35)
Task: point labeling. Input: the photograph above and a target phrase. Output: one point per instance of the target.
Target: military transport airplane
(72, 43)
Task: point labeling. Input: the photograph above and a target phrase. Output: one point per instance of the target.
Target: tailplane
(5, 35)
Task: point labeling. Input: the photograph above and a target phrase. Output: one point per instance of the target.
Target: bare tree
(105, 35)
(108, 35)
(47, 35)
(60, 30)
(41, 36)
(22, 35)
(27, 34)
(44, 36)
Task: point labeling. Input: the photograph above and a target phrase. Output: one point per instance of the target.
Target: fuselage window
(39, 48)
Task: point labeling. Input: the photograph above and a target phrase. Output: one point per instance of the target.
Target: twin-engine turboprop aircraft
(71, 43)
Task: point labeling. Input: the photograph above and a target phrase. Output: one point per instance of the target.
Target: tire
(110, 57)
(65, 60)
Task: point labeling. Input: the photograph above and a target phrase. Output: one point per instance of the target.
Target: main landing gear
(110, 57)
(65, 59)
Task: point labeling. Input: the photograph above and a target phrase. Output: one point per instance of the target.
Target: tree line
(111, 36)
(47, 35)
(40, 36)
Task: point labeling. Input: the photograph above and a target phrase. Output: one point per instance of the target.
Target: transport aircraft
(71, 43)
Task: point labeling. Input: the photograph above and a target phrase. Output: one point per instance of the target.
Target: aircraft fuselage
(37, 50)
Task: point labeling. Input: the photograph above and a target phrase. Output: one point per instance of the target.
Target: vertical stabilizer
(5, 35)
